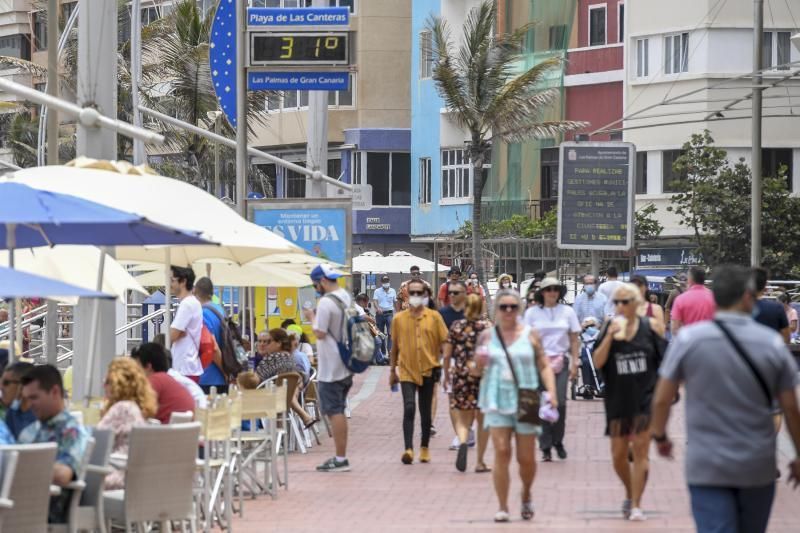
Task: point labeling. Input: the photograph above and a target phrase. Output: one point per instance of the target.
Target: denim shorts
(498, 420)
(333, 395)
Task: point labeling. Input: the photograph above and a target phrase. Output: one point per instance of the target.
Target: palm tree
(487, 96)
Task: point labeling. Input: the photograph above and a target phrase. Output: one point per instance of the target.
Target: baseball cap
(294, 328)
(454, 270)
(385, 278)
(325, 271)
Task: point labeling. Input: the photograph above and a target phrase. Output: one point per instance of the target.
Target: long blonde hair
(474, 307)
(127, 381)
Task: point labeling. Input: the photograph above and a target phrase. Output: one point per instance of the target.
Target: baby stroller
(588, 384)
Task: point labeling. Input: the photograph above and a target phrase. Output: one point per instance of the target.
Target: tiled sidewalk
(581, 494)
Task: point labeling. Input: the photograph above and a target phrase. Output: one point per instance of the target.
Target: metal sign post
(596, 196)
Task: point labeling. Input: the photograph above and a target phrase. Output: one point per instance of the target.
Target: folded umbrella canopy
(33, 217)
(17, 284)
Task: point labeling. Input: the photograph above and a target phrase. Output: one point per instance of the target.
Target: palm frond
(526, 131)
(27, 66)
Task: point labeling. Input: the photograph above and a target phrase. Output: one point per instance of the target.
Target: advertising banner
(321, 227)
(596, 196)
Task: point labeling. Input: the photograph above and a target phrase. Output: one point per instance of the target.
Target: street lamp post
(755, 193)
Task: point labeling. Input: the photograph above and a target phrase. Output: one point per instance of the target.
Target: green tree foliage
(480, 81)
(714, 202)
(646, 225)
(516, 227)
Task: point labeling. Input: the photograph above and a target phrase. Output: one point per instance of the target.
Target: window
(676, 53)
(149, 15)
(641, 172)
(295, 183)
(41, 87)
(773, 159)
(280, 3)
(16, 46)
(558, 35)
(294, 100)
(777, 50)
(671, 179)
(425, 55)
(597, 25)
(67, 9)
(455, 174)
(424, 180)
(40, 30)
(642, 58)
(389, 173)
(621, 22)
(343, 3)
(549, 172)
(334, 168)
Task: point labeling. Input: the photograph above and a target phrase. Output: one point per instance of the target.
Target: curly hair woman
(130, 400)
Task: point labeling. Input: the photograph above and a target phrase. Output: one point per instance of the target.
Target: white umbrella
(230, 275)
(77, 265)
(395, 263)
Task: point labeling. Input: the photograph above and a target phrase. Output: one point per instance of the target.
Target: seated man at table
(18, 413)
(43, 389)
(172, 396)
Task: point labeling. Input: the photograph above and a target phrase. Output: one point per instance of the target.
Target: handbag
(528, 400)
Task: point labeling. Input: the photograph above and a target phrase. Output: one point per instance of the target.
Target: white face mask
(386, 285)
(417, 301)
(474, 281)
(506, 285)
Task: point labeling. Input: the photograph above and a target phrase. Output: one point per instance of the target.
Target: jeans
(425, 392)
(730, 509)
(553, 433)
(384, 323)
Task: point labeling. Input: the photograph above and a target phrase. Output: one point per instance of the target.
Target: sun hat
(550, 282)
(325, 271)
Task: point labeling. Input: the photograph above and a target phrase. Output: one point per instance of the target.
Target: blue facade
(426, 104)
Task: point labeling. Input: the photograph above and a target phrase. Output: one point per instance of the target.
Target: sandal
(482, 469)
(502, 516)
(527, 510)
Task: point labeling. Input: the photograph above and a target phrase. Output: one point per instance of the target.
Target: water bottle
(395, 387)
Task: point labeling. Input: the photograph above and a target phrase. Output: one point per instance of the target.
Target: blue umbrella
(33, 217)
(17, 284)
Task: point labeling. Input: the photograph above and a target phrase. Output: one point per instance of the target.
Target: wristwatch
(660, 439)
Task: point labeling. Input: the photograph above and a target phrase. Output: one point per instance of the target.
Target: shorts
(499, 420)
(333, 395)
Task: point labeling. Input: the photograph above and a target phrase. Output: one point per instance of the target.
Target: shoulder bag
(746, 358)
(528, 400)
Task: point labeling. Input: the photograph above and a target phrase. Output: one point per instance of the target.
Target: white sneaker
(454, 444)
(471, 438)
(637, 515)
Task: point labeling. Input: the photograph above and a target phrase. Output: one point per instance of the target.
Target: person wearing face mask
(402, 297)
(505, 281)
(590, 303)
(384, 299)
(419, 335)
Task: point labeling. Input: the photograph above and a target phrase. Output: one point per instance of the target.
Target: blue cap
(325, 271)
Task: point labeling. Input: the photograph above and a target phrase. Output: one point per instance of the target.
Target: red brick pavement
(580, 494)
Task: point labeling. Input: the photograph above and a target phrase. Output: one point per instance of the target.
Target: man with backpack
(334, 378)
(213, 320)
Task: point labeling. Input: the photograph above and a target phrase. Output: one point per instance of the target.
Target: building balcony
(505, 209)
(596, 59)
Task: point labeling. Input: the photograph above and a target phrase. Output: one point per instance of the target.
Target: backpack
(206, 349)
(357, 345)
(230, 348)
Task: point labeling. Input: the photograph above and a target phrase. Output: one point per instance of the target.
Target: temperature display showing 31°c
(299, 48)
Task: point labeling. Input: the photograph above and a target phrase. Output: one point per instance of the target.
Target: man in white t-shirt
(334, 379)
(187, 325)
(608, 287)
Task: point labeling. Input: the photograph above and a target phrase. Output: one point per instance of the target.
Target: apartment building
(687, 66)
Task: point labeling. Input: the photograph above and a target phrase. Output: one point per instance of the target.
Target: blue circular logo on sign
(222, 58)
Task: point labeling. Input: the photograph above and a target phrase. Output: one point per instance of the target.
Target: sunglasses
(7, 382)
(415, 274)
(551, 289)
(455, 293)
(508, 307)
(416, 293)
(622, 302)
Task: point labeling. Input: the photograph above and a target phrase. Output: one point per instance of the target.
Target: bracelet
(660, 439)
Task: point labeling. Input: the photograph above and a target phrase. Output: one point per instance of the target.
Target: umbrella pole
(11, 242)
(167, 296)
(252, 298)
(93, 326)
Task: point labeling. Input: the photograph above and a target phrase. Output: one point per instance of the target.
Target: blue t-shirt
(450, 315)
(770, 314)
(212, 375)
(17, 420)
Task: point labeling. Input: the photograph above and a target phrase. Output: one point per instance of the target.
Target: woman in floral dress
(464, 380)
(130, 401)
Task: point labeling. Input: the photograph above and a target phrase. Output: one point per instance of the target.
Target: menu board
(596, 196)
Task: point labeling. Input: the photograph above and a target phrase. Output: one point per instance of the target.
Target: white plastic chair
(159, 477)
(76, 488)
(259, 445)
(181, 417)
(30, 489)
(291, 381)
(216, 495)
(8, 467)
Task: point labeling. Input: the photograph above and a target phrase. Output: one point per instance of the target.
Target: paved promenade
(580, 494)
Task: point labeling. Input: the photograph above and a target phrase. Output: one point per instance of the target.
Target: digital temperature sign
(295, 49)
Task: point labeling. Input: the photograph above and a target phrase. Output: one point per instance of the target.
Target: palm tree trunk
(477, 200)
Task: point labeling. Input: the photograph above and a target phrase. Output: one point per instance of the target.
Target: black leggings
(409, 389)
